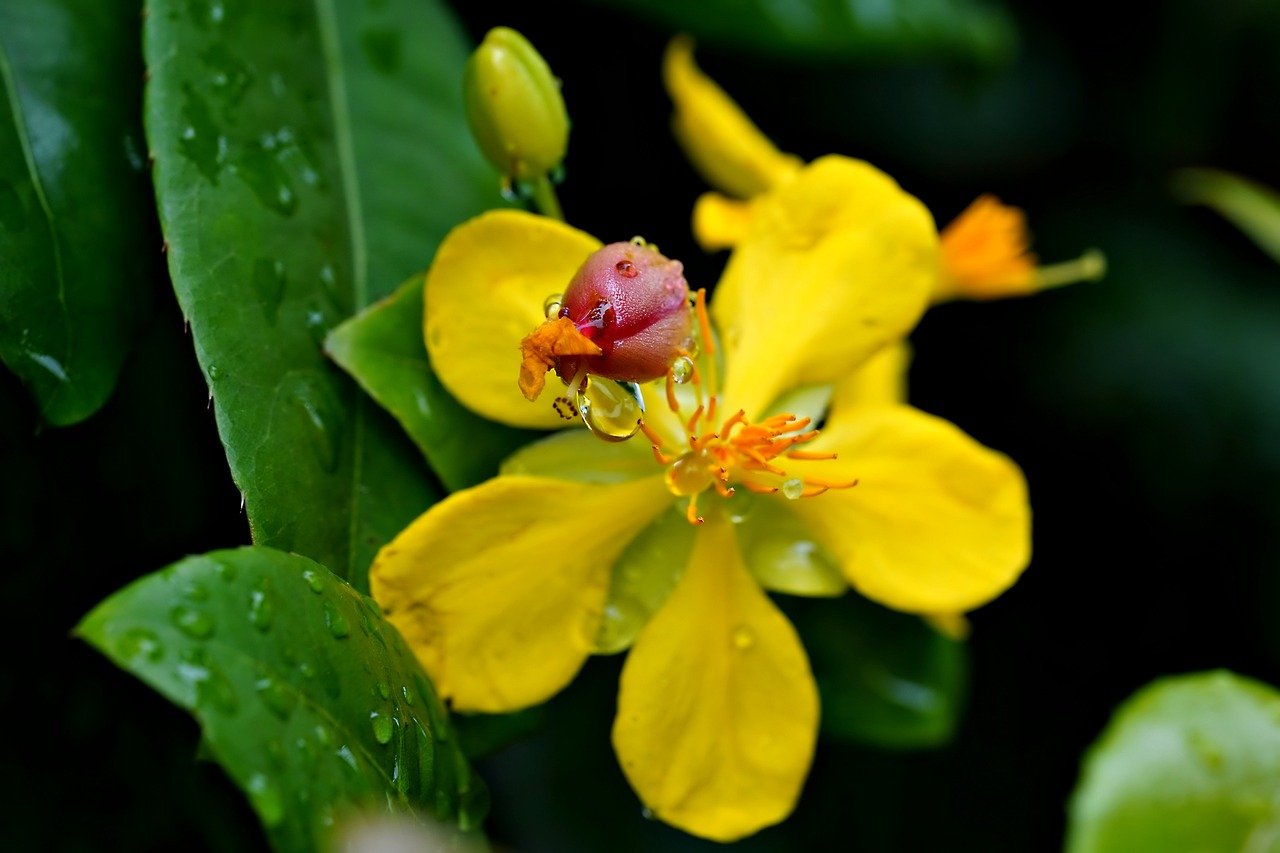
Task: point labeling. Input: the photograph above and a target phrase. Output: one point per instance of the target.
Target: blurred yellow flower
(985, 252)
(583, 547)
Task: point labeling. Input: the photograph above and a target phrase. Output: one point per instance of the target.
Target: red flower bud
(627, 301)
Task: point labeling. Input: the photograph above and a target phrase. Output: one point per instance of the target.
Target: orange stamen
(542, 348)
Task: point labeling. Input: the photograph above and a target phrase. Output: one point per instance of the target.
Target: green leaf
(841, 29)
(305, 696)
(382, 348)
(885, 677)
(75, 230)
(1188, 763)
(1250, 206)
(308, 157)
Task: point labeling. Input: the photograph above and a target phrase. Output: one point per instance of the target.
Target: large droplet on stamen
(690, 474)
(681, 370)
(611, 410)
(551, 305)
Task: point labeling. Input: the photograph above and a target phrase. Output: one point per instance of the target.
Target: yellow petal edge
(499, 589)
(484, 294)
(717, 709)
(936, 524)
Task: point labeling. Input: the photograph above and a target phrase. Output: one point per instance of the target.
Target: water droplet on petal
(611, 410)
(743, 638)
(194, 623)
(336, 621)
(792, 489)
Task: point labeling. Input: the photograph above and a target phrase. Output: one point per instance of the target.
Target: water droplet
(139, 644)
(306, 670)
(226, 571)
(743, 638)
(195, 592)
(278, 698)
(268, 280)
(426, 755)
(611, 410)
(336, 621)
(682, 370)
(261, 610)
(313, 403)
(313, 579)
(407, 694)
(194, 623)
(49, 364)
(792, 489)
(551, 305)
(626, 269)
(214, 372)
(384, 690)
(266, 799)
(383, 727)
(323, 736)
(647, 813)
(200, 142)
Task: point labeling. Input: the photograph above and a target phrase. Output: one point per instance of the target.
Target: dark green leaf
(309, 156)
(849, 29)
(1188, 763)
(482, 735)
(306, 697)
(382, 348)
(885, 677)
(75, 232)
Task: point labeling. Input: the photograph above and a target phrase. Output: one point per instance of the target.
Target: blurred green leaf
(382, 348)
(1189, 763)
(885, 677)
(841, 29)
(1251, 207)
(308, 157)
(482, 735)
(306, 697)
(75, 232)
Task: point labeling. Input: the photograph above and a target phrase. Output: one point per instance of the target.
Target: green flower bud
(514, 106)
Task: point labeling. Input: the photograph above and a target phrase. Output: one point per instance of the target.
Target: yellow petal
(953, 626)
(881, 380)
(837, 263)
(499, 589)
(578, 455)
(720, 222)
(724, 146)
(717, 710)
(484, 294)
(937, 523)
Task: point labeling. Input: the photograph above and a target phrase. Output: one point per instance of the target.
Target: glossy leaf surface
(1188, 763)
(305, 696)
(75, 233)
(382, 348)
(308, 158)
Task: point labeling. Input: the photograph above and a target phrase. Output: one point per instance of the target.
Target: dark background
(1145, 411)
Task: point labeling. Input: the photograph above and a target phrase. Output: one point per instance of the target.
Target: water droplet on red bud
(633, 303)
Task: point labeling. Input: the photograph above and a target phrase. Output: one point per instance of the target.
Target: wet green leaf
(1250, 206)
(382, 348)
(308, 158)
(1188, 763)
(75, 231)
(885, 677)
(850, 29)
(306, 697)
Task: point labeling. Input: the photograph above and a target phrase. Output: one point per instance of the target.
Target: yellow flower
(985, 252)
(583, 547)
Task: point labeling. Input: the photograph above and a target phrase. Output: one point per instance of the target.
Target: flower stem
(544, 198)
